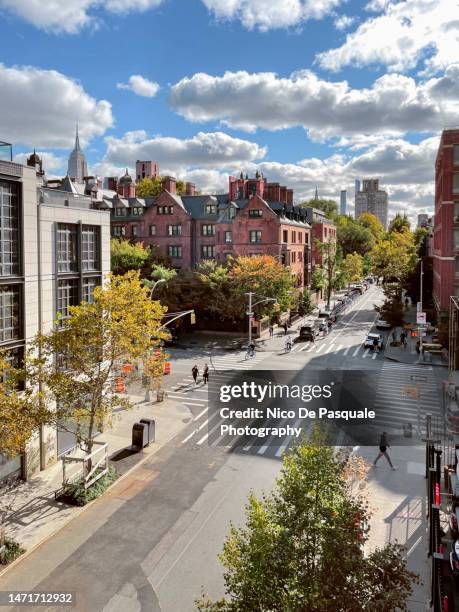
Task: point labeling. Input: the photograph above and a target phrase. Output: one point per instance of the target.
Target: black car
(308, 332)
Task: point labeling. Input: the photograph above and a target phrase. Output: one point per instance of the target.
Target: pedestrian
(205, 374)
(407, 302)
(285, 328)
(376, 345)
(383, 446)
(329, 325)
(271, 330)
(288, 345)
(403, 339)
(195, 373)
(394, 335)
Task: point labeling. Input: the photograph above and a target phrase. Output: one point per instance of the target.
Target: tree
(392, 311)
(329, 207)
(331, 256)
(352, 267)
(399, 223)
(372, 223)
(318, 278)
(303, 545)
(148, 187)
(305, 303)
(181, 187)
(394, 257)
(126, 256)
(121, 325)
(353, 237)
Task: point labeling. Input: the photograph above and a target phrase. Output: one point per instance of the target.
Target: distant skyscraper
(423, 220)
(372, 200)
(77, 167)
(343, 202)
(357, 185)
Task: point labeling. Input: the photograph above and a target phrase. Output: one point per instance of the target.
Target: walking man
(195, 373)
(403, 339)
(271, 330)
(394, 335)
(285, 328)
(205, 374)
(383, 446)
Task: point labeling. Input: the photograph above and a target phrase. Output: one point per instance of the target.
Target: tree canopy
(329, 207)
(148, 187)
(353, 236)
(302, 546)
(399, 223)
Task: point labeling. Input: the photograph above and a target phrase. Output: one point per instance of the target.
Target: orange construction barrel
(167, 367)
(127, 368)
(120, 385)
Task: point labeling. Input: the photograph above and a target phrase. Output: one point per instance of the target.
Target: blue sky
(312, 92)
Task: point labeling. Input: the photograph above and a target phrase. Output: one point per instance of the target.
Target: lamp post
(160, 280)
(251, 306)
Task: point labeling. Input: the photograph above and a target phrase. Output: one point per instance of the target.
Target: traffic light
(414, 333)
(193, 318)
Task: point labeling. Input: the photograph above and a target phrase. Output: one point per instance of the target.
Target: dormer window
(255, 213)
(120, 212)
(232, 212)
(137, 210)
(211, 209)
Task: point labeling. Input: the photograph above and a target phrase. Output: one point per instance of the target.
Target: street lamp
(250, 312)
(160, 280)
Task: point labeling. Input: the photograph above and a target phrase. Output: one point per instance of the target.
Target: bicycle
(250, 353)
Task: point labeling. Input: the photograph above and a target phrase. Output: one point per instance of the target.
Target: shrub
(77, 495)
(10, 551)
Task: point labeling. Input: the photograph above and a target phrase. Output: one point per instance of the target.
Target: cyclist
(251, 350)
(288, 345)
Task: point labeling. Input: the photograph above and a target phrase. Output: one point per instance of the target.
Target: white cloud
(271, 14)
(140, 86)
(70, 16)
(343, 22)
(40, 108)
(204, 150)
(51, 162)
(393, 105)
(405, 33)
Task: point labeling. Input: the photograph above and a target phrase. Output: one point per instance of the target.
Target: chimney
(112, 183)
(289, 196)
(170, 184)
(190, 189)
(283, 194)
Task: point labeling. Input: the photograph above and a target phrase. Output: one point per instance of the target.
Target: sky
(309, 92)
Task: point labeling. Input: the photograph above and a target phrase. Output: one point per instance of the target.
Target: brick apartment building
(254, 218)
(446, 223)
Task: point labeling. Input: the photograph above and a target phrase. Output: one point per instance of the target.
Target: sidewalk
(408, 354)
(37, 515)
(398, 499)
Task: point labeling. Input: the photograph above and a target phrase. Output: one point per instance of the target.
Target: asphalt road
(152, 542)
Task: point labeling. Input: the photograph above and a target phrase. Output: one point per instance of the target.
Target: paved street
(152, 542)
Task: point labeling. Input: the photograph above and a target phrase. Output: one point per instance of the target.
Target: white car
(370, 341)
(381, 324)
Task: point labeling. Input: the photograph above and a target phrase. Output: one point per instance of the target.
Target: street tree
(352, 267)
(302, 547)
(331, 257)
(399, 223)
(354, 237)
(121, 325)
(395, 256)
(329, 207)
(126, 256)
(372, 223)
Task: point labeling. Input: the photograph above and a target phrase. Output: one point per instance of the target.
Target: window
(228, 236)
(175, 251)
(9, 313)
(300, 237)
(208, 251)
(293, 236)
(300, 256)
(89, 284)
(119, 230)
(120, 212)
(232, 212)
(325, 232)
(67, 295)
(293, 256)
(456, 155)
(255, 212)
(134, 231)
(9, 229)
(90, 247)
(456, 239)
(211, 209)
(285, 236)
(165, 210)
(137, 210)
(455, 182)
(255, 236)
(208, 230)
(306, 239)
(152, 230)
(174, 230)
(67, 260)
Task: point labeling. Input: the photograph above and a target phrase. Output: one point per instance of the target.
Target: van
(308, 332)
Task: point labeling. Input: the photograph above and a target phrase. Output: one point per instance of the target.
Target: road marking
(195, 431)
(330, 346)
(187, 400)
(307, 348)
(354, 354)
(365, 353)
(375, 354)
(346, 351)
(319, 348)
(196, 418)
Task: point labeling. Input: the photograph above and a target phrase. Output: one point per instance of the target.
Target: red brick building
(446, 225)
(191, 228)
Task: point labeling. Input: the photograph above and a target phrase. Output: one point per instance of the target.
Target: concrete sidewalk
(36, 515)
(398, 500)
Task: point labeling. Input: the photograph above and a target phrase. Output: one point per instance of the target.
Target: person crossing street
(195, 373)
(205, 374)
(383, 446)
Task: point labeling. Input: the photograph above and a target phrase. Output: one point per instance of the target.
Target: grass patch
(77, 495)
(9, 551)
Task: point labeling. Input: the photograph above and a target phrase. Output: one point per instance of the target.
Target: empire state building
(77, 166)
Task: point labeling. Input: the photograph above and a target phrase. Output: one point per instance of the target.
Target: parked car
(370, 340)
(381, 324)
(327, 315)
(308, 332)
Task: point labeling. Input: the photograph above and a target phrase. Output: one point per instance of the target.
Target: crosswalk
(405, 395)
(334, 348)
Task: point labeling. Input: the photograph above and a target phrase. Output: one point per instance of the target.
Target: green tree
(354, 237)
(329, 207)
(372, 223)
(318, 278)
(181, 187)
(331, 257)
(394, 257)
(126, 256)
(302, 547)
(352, 267)
(305, 303)
(399, 223)
(148, 187)
(121, 325)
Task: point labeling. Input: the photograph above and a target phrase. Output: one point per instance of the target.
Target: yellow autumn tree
(122, 325)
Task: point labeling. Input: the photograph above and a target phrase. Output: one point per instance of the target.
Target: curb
(440, 365)
(81, 509)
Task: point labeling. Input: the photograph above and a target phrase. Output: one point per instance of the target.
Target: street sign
(418, 307)
(421, 318)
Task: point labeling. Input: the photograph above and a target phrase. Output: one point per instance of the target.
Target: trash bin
(150, 424)
(160, 395)
(140, 435)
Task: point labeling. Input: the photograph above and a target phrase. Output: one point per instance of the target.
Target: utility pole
(250, 314)
(421, 327)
